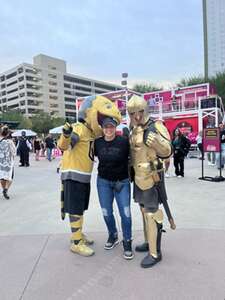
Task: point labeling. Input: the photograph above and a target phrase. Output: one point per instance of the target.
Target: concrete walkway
(35, 261)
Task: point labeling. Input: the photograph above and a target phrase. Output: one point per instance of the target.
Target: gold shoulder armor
(162, 130)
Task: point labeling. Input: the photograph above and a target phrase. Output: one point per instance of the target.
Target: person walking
(24, 147)
(49, 145)
(220, 162)
(7, 155)
(181, 146)
(199, 144)
(37, 148)
(112, 182)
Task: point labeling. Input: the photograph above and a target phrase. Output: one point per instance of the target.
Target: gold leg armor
(152, 230)
(78, 246)
(144, 228)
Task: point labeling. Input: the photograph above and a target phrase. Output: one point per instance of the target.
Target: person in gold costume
(150, 143)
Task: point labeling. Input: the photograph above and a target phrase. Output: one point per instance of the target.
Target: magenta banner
(211, 140)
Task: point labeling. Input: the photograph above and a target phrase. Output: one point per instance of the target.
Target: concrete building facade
(214, 36)
(46, 86)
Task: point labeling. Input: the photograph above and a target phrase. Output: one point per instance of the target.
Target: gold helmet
(136, 105)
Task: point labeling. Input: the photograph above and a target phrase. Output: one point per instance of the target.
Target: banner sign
(211, 140)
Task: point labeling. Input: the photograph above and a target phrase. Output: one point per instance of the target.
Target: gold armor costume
(77, 162)
(149, 142)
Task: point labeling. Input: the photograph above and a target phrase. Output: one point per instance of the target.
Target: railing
(179, 106)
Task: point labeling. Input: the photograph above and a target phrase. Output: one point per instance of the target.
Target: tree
(146, 87)
(191, 81)
(57, 121)
(41, 123)
(15, 116)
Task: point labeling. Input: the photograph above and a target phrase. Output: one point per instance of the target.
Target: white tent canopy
(56, 130)
(28, 132)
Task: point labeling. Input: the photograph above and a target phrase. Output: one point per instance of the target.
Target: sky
(156, 41)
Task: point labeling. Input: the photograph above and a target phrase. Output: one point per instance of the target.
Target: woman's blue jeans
(107, 190)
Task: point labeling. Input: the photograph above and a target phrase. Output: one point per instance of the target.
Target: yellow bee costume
(77, 163)
(150, 142)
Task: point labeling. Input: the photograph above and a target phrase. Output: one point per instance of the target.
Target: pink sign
(211, 139)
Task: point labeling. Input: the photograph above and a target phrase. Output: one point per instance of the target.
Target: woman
(7, 155)
(113, 153)
(181, 147)
(37, 148)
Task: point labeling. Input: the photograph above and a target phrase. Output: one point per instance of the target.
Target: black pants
(179, 164)
(200, 147)
(24, 158)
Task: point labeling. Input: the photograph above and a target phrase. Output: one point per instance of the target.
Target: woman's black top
(113, 158)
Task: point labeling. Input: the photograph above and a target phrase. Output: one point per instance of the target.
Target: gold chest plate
(143, 159)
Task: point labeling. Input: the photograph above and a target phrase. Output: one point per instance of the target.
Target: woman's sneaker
(127, 252)
(111, 242)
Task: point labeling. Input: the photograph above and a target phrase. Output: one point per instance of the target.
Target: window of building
(53, 105)
(53, 91)
(69, 99)
(34, 111)
(2, 78)
(70, 114)
(21, 86)
(52, 83)
(4, 100)
(104, 86)
(69, 93)
(13, 106)
(11, 75)
(11, 83)
(22, 95)
(12, 91)
(22, 103)
(54, 76)
(20, 70)
(53, 97)
(80, 88)
(21, 78)
(13, 98)
(3, 86)
(51, 67)
(69, 106)
(66, 85)
(77, 80)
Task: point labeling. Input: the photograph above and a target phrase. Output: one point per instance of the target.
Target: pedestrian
(113, 182)
(37, 148)
(199, 144)
(221, 161)
(149, 140)
(49, 145)
(181, 146)
(24, 147)
(7, 156)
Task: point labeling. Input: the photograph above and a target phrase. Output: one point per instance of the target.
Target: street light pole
(124, 83)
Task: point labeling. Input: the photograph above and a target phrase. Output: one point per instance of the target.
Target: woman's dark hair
(179, 132)
(5, 131)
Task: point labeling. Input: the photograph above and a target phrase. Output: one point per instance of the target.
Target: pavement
(35, 261)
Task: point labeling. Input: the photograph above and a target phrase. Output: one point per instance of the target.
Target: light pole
(124, 84)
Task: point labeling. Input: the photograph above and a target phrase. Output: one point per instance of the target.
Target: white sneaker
(167, 175)
(179, 176)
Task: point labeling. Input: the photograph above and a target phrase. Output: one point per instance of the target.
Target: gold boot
(81, 249)
(78, 246)
(154, 256)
